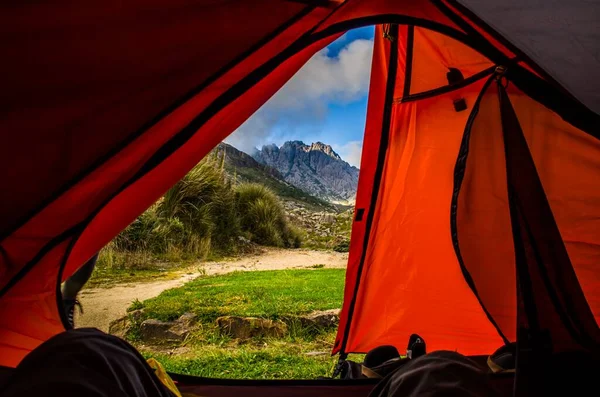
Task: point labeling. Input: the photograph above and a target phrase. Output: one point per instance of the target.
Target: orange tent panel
(118, 101)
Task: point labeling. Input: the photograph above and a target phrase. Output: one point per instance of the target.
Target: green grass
(276, 361)
(267, 294)
(278, 294)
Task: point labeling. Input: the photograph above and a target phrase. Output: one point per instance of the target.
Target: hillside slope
(325, 225)
(244, 168)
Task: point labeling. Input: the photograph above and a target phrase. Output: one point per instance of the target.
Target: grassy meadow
(213, 214)
(303, 352)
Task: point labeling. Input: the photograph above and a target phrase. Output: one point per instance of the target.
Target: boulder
(156, 332)
(328, 218)
(121, 326)
(187, 319)
(321, 319)
(250, 327)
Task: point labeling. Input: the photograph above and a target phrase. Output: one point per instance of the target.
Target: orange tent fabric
(109, 104)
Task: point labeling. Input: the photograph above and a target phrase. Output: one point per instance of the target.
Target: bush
(294, 237)
(263, 218)
(195, 217)
(139, 235)
(204, 202)
(342, 246)
(203, 214)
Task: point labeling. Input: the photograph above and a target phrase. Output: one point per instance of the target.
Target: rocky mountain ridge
(315, 168)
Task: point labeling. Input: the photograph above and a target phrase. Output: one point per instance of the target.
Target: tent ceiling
(562, 37)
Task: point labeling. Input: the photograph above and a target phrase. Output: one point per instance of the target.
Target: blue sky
(325, 101)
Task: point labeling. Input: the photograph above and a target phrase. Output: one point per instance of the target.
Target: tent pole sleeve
(459, 173)
(385, 132)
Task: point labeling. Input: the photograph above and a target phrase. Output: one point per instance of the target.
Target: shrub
(201, 209)
(342, 246)
(263, 218)
(294, 237)
(139, 235)
(203, 214)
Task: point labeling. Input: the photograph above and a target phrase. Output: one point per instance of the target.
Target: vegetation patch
(266, 294)
(204, 216)
(303, 351)
(272, 360)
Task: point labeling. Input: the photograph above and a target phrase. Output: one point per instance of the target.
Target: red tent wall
(410, 262)
(439, 242)
(109, 104)
(113, 106)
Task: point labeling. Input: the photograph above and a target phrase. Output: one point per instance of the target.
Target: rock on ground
(121, 326)
(156, 332)
(250, 327)
(321, 319)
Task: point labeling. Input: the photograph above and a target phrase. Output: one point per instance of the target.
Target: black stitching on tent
(447, 88)
(41, 253)
(410, 40)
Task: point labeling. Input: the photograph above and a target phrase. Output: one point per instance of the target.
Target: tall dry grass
(203, 215)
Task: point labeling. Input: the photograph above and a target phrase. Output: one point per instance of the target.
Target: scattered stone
(188, 319)
(157, 332)
(321, 319)
(246, 246)
(121, 326)
(328, 218)
(250, 327)
(136, 315)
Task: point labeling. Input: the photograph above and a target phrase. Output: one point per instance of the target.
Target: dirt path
(103, 305)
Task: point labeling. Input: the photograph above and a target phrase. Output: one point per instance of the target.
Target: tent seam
(383, 146)
(459, 173)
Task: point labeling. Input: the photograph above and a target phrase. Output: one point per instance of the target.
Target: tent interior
(478, 207)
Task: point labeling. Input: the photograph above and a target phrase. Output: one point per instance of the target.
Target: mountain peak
(322, 147)
(313, 147)
(270, 147)
(315, 168)
(294, 144)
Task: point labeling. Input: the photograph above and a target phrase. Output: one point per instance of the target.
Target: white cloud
(304, 98)
(350, 152)
(341, 79)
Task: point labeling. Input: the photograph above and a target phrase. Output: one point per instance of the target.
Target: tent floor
(208, 387)
(192, 386)
(291, 388)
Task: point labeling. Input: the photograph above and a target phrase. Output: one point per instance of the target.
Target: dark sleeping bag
(437, 374)
(84, 362)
